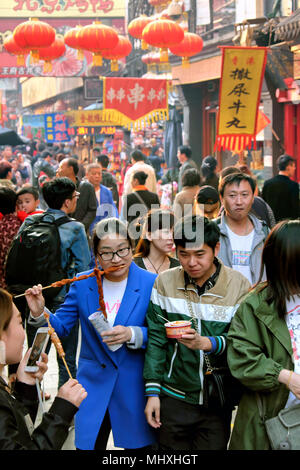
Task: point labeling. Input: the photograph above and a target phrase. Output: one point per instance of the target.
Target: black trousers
(103, 435)
(192, 427)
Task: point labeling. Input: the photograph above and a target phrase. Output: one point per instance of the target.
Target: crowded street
(149, 228)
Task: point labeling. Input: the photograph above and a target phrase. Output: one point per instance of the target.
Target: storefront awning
(200, 71)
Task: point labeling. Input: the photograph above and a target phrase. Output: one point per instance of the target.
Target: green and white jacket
(170, 367)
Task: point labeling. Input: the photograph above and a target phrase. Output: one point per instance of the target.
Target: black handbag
(220, 388)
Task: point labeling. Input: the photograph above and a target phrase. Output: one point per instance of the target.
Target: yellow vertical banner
(242, 75)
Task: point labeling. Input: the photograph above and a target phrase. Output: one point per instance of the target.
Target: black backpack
(34, 257)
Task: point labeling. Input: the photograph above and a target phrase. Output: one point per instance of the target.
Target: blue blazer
(107, 207)
(113, 379)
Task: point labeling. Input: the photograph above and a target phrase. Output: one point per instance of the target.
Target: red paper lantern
(71, 40)
(122, 49)
(56, 50)
(190, 45)
(98, 39)
(12, 47)
(137, 26)
(34, 35)
(163, 33)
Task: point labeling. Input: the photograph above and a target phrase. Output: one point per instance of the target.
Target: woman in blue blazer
(112, 379)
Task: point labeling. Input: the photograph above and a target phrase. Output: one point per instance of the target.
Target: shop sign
(240, 89)
(62, 8)
(56, 128)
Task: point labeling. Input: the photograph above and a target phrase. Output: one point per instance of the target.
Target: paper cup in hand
(175, 329)
(101, 324)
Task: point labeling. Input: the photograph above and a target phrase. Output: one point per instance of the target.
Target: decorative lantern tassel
(114, 66)
(185, 62)
(144, 45)
(21, 60)
(80, 54)
(164, 56)
(97, 60)
(35, 56)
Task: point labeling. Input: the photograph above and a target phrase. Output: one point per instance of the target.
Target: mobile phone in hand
(38, 347)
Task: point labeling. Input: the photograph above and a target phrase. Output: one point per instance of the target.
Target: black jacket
(139, 209)
(282, 195)
(86, 207)
(14, 433)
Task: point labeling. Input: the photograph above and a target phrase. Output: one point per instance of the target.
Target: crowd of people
(221, 263)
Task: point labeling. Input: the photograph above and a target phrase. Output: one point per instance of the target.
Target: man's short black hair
(196, 230)
(5, 168)
(138, 156)
(236, 178)
(46, 153)
(103, 160)
(74, 164)
(191, 177)
(28, 190)
(186, 150)
(141, 176)
(56, 191)
(283, 161)
(8, 200)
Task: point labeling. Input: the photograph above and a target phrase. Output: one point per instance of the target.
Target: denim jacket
(75, 253)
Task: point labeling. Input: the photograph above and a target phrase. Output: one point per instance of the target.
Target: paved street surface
(50, 384)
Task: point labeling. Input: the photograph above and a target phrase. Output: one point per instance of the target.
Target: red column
(290, 130)
(298, 144)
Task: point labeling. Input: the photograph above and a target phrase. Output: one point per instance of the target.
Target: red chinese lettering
(49, 6)
(106, 5)
(250, 61)
(30, 5)
(69, 3)
(82, 5)
(235, 60)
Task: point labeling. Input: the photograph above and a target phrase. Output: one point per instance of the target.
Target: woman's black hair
(110, 226)
(141, 176)
(156, 219)
(195, 230)
(281, 259)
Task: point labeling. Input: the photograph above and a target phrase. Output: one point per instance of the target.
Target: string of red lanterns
(39, 39)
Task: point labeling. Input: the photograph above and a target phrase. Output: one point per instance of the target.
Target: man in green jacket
(205, 291)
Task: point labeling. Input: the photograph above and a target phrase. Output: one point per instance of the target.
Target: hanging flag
(240, 88)
(132, 102)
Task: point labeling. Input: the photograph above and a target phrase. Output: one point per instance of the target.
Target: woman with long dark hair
(264, 339)
(155, 245)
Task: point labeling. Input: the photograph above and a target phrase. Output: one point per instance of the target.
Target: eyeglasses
(76, 195)
(109, 255)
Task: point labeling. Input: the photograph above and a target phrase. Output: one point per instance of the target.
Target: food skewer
(57, 343)
(74, 279)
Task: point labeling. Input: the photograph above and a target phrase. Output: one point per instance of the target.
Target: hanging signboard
(135, 101)
(62, 8)
(56, 128)
(240, 88)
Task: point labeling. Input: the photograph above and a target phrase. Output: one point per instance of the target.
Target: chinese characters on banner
(133, 101)
(241, 81)
(56, 128)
